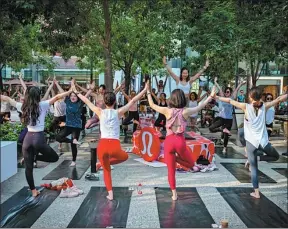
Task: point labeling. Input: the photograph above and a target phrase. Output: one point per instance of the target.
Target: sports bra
(185, 88)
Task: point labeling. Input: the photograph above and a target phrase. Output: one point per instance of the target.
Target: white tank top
(255, 128)
(191, 105)
(109, 124)
(185, 88)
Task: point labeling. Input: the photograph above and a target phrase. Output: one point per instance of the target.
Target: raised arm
(162, 110)
(174, 76)
(199, 94)
(156, 98)
(125, 95)
(9, 100)
(124, 109)
(23, 84)
(164, 84)
(198, 74)
(189, 111)
(156, 81)
(85, 100)
(59, 96)
(233, 102)
(279, 99)
(219, 88)
(60, 89)
(45, 97)
(235, 92)
(86, 90)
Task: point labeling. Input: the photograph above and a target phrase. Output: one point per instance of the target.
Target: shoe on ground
(68, 193)
(75, 189)
(73, 163)
(224, 151)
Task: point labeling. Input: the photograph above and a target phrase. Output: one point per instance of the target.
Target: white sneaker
(224, 151)
(68, 193)
(75, 189)
(73, 163)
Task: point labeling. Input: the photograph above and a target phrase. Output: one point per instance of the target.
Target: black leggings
(224, 123)
(161, 122)
(55, 123)
(62, 137)
(132, 115)
(34, 144)
(269, 131)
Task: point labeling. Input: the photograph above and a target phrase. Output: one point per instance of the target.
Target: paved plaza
(204, 198)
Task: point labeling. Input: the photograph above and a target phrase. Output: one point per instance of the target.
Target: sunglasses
(269, 98)
(227, 92)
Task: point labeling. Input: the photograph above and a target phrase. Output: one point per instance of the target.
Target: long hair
(188, 77)
(30, 107)
(177, 99)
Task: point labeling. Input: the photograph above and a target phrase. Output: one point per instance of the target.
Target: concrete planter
(8, 159)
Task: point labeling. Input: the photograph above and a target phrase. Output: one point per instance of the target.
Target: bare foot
(62, 124)
(174, 198)
(253, 194)
(76, 142)
(109, 197)
(35, 192)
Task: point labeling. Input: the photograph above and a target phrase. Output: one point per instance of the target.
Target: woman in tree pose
(255, 131)
(109, 147)
(73, 123)
(184, 81)
(176, 115)
(33, 115)
(224, 120)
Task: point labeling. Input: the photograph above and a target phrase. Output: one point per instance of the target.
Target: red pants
(110, 153)
(176, 144)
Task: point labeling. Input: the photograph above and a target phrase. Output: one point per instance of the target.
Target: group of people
(174, 115)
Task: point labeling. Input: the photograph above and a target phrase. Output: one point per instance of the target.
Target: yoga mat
(282, 171)
(231, 153)
(236, 142)
(255, 213)
(22, 210)
(96, 211)
(65, 170)
(40, 165)
(242, 174)
(188, 211)
(282, 159)
(155, 164)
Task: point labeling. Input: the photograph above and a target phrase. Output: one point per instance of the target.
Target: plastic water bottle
(139, 189)
(213, 160)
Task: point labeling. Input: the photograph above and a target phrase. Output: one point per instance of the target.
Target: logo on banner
(149, 144)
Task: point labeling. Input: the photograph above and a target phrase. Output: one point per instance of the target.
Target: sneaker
(75, 189)
(35, 164)
(224, 151)
(68, 193)
(73, 163)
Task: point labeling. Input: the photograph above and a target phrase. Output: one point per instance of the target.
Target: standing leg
(170, 159)
(227, 124)
(135, 117)
(75, 135)
(252, 157)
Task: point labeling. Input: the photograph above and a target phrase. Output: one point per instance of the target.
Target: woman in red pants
(109, 148)
(177, 116)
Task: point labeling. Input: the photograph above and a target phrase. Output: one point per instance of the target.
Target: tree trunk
(127, 76)
(108, 74)
(1, 79)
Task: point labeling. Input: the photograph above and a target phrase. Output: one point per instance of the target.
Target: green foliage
(10, 131)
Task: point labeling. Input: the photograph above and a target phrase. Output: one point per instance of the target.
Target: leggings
(271, 155)
(172, 144)
(269, 131)
(110, 153)
(33, 144)
(161, 122)
(55, 123)
(225, 123)
(132, 115)
(62, 137)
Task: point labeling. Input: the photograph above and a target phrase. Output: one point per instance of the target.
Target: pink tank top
(182, 122)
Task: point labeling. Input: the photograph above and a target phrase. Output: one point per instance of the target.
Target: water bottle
(213, 160)
(139, 189)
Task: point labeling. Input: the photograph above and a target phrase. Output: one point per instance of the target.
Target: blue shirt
(226, 110)
(73, 113)
(241, 98)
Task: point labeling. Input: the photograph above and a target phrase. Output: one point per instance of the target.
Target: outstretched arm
(9, 100)
(124, 109)
(23, 84)
(174, 76)
(276, 101)
(125, 95)
(59, 96)
(45, 97)
(196, 76)
(233, 102)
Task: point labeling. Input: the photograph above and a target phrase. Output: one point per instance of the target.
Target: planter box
(8, 159)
